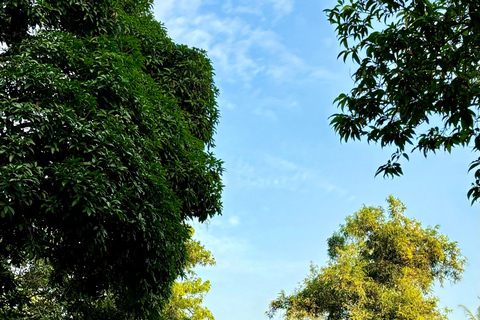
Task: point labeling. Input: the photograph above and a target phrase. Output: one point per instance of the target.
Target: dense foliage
(417, 81)
(45, 302)
(381, 267)
(105, 130)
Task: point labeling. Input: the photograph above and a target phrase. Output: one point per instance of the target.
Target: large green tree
(105, 132)
(417, 83)
(382, 266)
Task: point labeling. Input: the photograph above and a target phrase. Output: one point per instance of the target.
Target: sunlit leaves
(382, 266)
(188, 292)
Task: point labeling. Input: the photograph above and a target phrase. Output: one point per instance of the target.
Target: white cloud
(165, 9)
(229, 8)
(240, 52)
(282, 7)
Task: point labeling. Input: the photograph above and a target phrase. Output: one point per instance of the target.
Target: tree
(46, 302)
(106, 127)
(417, 82)
(381, 267)
(188, 294)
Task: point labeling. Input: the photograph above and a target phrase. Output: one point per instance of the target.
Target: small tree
(381, 267)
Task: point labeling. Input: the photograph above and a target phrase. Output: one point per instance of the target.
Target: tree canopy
(417, 82)
(382, 266)
(106, 127)
(46, 302)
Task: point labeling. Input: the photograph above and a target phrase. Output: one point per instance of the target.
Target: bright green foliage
(381, 267)
(105, 128)
(418, 78)
(188, 294)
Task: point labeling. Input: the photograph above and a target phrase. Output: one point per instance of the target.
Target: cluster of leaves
(418, 78)
(45, 301)
(188, 293)
(381, 267)
(105, 130)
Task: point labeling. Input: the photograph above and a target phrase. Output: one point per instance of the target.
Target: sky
(289, 181)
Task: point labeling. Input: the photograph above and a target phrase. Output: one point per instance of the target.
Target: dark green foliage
(46, 301)
(105, 127)
(418, 78)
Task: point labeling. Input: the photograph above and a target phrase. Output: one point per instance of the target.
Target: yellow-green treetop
(382, 266)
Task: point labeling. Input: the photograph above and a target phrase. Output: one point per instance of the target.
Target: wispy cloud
(241, 52)
(273, 172)
(282, 7)
(279, 8)
(222, 245)
(280, 164)
(224, 222)
(234, 255)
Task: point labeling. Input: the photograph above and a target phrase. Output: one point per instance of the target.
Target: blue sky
(289, 182)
